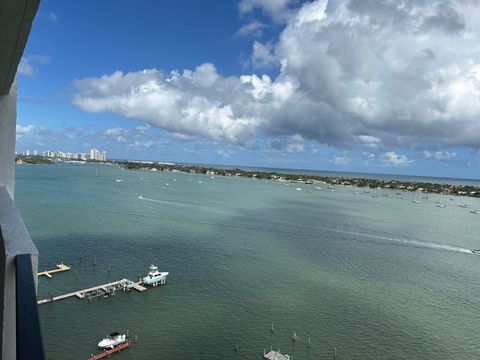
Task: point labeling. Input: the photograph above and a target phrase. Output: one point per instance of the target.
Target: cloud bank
(351, 74)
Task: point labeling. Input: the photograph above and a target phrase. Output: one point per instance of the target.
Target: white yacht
(112, 340)
(155, 277)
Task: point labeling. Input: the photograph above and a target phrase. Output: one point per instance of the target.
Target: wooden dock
(81, 293)
(60, 268)
(139, 287)
(107, 353)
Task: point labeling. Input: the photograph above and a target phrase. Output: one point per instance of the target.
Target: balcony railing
(29, 339)
(21, 336)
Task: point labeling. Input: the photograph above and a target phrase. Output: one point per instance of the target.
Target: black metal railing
(29, 337)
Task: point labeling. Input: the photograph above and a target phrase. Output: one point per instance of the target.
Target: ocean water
(375, 278)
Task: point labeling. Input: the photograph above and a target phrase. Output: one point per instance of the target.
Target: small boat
(298, 189)
(417, 198)
(441, 205)
(118, 180)
(475, 251)
(464, 206)
(112, 340)
(155, 277)
(475, 211)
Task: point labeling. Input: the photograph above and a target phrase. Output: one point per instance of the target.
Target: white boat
(155, 277)
(112, 340)
(441, 205)
(475, 211)
(464, 206)
(417, 198)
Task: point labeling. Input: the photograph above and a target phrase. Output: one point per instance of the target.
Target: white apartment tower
(98, 155)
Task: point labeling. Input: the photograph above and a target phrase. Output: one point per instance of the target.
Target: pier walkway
(107, 353)
(60, 267)
(105, 288)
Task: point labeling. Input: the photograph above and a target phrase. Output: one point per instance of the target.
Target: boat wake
(416, 243)
(140, 197)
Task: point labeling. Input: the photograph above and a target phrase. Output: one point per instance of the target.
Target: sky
(381, 86)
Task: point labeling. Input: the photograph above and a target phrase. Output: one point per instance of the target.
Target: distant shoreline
(304, 178)
(411, 186)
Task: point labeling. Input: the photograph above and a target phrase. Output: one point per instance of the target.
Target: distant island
(424, 187)
(370, 183)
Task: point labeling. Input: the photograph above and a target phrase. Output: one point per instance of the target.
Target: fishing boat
(112, 340)
(155, 277)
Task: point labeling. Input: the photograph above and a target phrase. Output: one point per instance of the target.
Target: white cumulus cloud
(439, 155)
(387, 74)
(394, 159)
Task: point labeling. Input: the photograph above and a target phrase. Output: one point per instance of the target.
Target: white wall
(8, 119)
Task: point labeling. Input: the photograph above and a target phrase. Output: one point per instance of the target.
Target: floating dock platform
(275, 355)
(60, 268)
(104, 290)
(107, 353)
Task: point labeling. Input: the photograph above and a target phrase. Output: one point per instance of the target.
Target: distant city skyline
(93, 154)
(281, 83)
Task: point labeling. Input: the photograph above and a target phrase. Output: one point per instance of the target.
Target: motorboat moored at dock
(155, 277)
(112, 340)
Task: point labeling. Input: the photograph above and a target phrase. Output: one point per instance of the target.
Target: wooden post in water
(335, 354)
(136, 338)
(271, 330)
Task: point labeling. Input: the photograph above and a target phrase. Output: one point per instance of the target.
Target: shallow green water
(377, 278)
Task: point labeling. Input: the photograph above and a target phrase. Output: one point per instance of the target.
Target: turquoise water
(376, 278)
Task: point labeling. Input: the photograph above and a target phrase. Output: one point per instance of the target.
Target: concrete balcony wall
(8, 119)
(14, 240)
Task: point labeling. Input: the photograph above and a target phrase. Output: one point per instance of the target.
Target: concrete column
(8, 121)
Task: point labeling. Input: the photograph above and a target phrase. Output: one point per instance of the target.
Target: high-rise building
(98, 155)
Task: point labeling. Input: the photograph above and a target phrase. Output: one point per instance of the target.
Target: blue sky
(331, 85)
